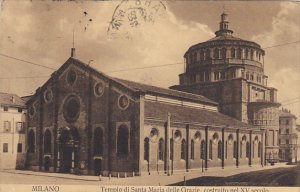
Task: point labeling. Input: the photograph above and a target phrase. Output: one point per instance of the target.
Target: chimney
(73, 52)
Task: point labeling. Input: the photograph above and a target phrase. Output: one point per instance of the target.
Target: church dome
(225, 48)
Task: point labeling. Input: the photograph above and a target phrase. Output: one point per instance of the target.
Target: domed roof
(224, 37)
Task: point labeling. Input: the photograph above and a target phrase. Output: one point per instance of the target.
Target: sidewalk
(153, 179)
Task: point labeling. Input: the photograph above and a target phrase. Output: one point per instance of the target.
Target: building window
(146, 149)
(207, 54)
(7, 127)
(217, 76)
(20, 110)
(47, 142)
(247, 150)
(247, 76)
(19, 148)
(224, 53)
(5, 147)
(287, 131)
(161, 149)
(287, 122)
(210, 149)
(246, 54)
(239, 53)
(226, 148)
(98, 141)
(287, 141)
(5, 108)
(251, 54)
(20, 127)
(202, 55)
(251, 77)
(31, 141)
(219, 150)
(241, 149)
(123, 140)
(233, 53)
(259, 150)
(192, 150)
(183, 150)
(216, 53)
(202, 148)
(235, 151)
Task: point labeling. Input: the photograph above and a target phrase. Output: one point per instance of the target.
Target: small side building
(288, 137)
(12, 131)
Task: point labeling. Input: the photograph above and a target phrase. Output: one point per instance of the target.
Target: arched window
(146, 149)
(192, 150)
(47, 142)
(233, 53)
(201, 55)
(31, 141)
(219, 149)
(223, 53)
(239, 53)
(226, 149)
(202, 148)
(210, 149)
(241, 149)
(123, 140)
(183, 149)
(216, 53)
(247, 150)
(259, 150)
(246, 54)
(161, 149)
(235, 150)
(98, 141)
(251, 54)
(207, 54)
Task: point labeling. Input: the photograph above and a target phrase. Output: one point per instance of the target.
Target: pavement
(149, 180)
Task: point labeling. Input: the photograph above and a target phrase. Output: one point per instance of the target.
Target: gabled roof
(133, 86)
(192, 115)
(11, 100)
(166, 92)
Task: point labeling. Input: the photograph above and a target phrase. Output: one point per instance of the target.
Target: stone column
(223, 147)
(206, 146)
(250, 150)
(167, 145)
(187, 161)
(237, 146)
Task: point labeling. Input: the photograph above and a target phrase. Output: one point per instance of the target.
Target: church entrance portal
(68, 142)
(97, 166)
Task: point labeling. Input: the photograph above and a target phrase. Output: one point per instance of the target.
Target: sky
(42, 32)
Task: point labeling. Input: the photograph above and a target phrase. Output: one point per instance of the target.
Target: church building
(83, 121)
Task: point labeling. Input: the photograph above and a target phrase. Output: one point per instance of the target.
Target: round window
(197, 136)
(71, 108)
(71, 77)
(177, 135)
(153, 134)
(48, 95)
(123, 102)
(99, 89)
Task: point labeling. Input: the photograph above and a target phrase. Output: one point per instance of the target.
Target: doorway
(97, 166)
(67, 159)
(47, 163)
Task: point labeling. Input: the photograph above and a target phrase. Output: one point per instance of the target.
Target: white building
(12, 131)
